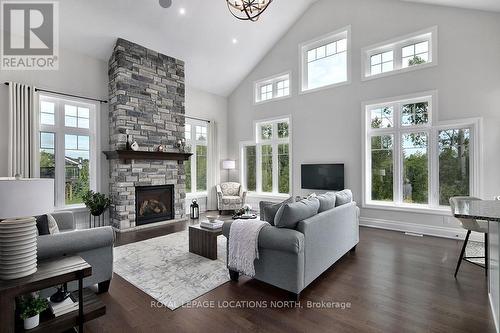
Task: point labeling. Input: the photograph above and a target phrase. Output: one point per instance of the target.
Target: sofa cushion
(229, 199)
(326, 201)
(290, 214)
(53, 227)
(343, 197)
(269, 209)
(42, 225)
(230, 189)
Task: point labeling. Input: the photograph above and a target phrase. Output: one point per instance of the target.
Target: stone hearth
(146, 93)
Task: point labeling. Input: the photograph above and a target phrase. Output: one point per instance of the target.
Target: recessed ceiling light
(182, 11)
(235, 41)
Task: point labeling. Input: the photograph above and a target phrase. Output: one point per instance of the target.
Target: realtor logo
(30, 35)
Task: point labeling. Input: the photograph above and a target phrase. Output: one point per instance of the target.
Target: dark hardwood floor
(393, 282)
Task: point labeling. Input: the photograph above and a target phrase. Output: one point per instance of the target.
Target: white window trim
(476, 156)
(313, 43)
(258, 142)
(194, 159)
(395, 44)
(60, 129)
(274, 79)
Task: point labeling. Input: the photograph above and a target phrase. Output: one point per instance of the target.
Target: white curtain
(22, 130)
(213, 172)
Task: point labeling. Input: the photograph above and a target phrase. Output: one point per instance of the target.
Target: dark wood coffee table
(203, 241)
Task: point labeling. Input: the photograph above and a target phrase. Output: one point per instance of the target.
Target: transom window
(275, 87)
(196, 167)
(266, 161)
(415, 54)
(404, 53)
(325, 61)
(411, 162)
(68, 147)
(382, 62)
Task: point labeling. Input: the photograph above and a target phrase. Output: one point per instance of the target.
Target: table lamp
(228, 165)
(20, 200)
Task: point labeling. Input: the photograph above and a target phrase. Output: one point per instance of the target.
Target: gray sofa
(291, 259)
(93, 245)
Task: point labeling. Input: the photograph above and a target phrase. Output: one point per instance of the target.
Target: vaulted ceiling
(219, 50)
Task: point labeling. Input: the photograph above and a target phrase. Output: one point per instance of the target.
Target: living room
(315, 165)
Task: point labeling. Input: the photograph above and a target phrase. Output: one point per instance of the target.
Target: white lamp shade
(228, 165)
(26, 197)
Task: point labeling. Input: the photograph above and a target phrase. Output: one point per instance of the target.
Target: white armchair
(230, 196)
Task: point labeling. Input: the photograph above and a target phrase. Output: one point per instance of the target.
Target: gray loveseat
(291, 259)
(93, 245)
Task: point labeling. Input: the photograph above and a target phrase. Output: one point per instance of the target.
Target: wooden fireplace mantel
(128, 155)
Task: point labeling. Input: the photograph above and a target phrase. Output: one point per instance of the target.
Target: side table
(50, 273)
(203, 241)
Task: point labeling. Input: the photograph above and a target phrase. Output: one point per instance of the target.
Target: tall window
(68, 147)
(403, 53)
(266, 162)
(196, 167)
(411, 162)
(325, 61)
(271, 88)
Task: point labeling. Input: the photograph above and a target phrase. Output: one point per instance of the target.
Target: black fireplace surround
(154, 204)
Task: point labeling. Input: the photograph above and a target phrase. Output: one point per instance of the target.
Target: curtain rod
(69, 95)
(200, 119)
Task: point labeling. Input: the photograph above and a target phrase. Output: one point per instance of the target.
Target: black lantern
(195, 210)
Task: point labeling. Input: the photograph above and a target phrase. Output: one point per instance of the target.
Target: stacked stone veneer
(146, 93)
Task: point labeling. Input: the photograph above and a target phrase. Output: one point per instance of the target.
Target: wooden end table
(203, 241)
(51, 273)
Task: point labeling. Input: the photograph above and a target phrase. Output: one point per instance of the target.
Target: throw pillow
(343, 197)
(290, 214)
(326, 201)
(269, 209)
(53, 227)
(42, 225)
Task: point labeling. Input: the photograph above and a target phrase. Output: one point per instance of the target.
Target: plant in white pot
(30, 308)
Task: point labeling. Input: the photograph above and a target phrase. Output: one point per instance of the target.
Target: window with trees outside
(196, 167)
(266, 162)
(403, 53)
(272, 88)
(410, 162)
(325, 61)
(67, 147)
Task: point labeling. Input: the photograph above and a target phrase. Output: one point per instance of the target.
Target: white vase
(31, 322)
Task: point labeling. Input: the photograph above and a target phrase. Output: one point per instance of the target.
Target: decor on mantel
(18, 236)
(97, 203)
(248, 10)
(128, 155)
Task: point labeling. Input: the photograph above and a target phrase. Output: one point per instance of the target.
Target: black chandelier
(247, 10)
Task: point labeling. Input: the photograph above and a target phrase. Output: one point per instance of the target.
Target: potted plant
(96, 202)
(30, 308)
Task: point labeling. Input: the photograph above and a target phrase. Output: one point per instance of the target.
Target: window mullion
(259, 167)
(60, 156)
(275, 167)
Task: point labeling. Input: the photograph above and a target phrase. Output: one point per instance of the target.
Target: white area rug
(475, 249)
(164, 268)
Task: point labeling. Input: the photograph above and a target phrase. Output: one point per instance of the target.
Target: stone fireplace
(146, 94)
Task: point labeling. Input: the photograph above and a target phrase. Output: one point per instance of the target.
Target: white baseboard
(495, 319)
(429, 230)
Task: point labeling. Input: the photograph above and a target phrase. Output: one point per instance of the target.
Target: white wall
(326, 124)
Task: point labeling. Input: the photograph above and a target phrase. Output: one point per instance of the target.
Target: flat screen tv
(323, 177)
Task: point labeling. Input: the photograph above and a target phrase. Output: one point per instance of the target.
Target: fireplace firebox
(154, 204)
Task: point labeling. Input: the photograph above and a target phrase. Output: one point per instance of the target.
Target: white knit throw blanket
(244, 246)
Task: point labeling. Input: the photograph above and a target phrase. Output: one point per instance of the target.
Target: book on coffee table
(217, 224)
